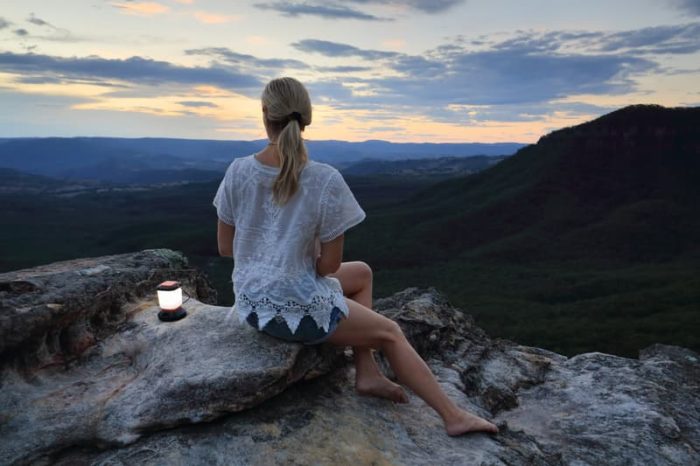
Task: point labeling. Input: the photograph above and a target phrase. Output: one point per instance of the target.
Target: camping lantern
(170, 301)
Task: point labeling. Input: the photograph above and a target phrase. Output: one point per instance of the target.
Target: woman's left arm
(331, 256)
(224, 237)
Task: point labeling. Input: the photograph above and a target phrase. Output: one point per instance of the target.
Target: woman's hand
(317, 248)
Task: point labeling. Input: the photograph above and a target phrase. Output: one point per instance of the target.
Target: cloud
(214, 18)
(337, 49)
(475, 114)
(524, 69)
(506, 76)
(247, 62)
(394, 43)
(327, 10)
(56, 34)
(39, 80)
(135, 69)
(21, 32)
(38, 21)
(197, 104)
(669, 39)
(44, 79)
(682, 38)
(516, 70)
(691, 7)
(342, 69)
(427, 6)
(421, 67)
(141, 8)
(340, 10)
(4, 23)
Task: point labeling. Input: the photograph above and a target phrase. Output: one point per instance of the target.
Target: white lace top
(274, 270)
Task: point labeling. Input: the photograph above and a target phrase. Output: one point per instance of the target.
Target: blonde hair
(288, 112)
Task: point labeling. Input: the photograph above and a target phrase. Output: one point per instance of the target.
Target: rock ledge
(139, 390)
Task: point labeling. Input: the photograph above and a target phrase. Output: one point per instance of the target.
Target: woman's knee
(365, 270)
(366, 327)
(392, 331)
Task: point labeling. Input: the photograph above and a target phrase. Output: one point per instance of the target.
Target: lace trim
(291, 311)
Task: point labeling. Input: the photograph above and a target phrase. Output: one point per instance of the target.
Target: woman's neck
(269, 155)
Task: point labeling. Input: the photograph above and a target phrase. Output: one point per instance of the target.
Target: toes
(471, 423)
(491, 427)
(399, 394)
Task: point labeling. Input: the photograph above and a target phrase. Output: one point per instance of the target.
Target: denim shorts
(308, 332)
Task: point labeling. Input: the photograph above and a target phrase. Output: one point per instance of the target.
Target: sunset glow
(419, 71)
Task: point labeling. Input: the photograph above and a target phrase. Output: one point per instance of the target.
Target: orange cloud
(141, 8)
(394, 44)
(213, 18)
(239, 116)
(360, 125)
(256, 40)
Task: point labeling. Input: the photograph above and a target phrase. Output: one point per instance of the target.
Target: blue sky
(434, 71)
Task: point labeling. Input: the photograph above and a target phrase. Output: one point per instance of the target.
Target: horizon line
(259, 140)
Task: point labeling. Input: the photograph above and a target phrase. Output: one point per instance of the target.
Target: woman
(289, 215)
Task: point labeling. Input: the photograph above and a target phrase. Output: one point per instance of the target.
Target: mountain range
(584, 241)
(158, 160)
(433, 167)
(625, 186)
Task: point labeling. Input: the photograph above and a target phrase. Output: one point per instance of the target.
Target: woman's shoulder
(242, 160)
(322, 169)
(242, 164)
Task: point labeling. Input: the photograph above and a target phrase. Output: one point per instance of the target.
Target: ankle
(368, 377)
(452, 414)
(367, 371)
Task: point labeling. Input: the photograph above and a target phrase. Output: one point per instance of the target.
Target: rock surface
(271, 402)
(145, 375)
(52, 313)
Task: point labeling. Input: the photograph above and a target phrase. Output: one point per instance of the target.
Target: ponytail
(293, 156)
(288, 113)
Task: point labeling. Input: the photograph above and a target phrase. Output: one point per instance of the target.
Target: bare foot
(381, 387)
(465, 422)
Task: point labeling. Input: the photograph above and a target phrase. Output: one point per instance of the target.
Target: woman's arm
(331, 256)
(224, 237)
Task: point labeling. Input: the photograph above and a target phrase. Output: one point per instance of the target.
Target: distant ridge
(116, 159)
(422, 168)
(622, 187)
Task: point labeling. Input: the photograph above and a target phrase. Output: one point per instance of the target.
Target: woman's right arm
(331, 256)
(224, 238)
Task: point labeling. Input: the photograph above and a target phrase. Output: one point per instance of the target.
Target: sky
(402, 71)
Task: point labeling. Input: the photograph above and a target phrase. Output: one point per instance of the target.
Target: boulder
(50, 314)
(145, 375)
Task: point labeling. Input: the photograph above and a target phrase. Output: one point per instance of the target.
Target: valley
(585, 241)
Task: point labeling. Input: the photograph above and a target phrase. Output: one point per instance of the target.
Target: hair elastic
(295, 116)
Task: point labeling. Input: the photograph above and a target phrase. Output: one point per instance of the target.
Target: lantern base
(170, 316)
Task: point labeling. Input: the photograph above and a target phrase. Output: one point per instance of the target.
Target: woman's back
(274, 273)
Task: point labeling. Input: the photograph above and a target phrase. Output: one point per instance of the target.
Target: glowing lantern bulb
(170, 301)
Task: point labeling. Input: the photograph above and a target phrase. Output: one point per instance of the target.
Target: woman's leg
(364, 327)
(356, 279)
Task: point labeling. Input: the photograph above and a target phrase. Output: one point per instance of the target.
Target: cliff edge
(89, 375)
